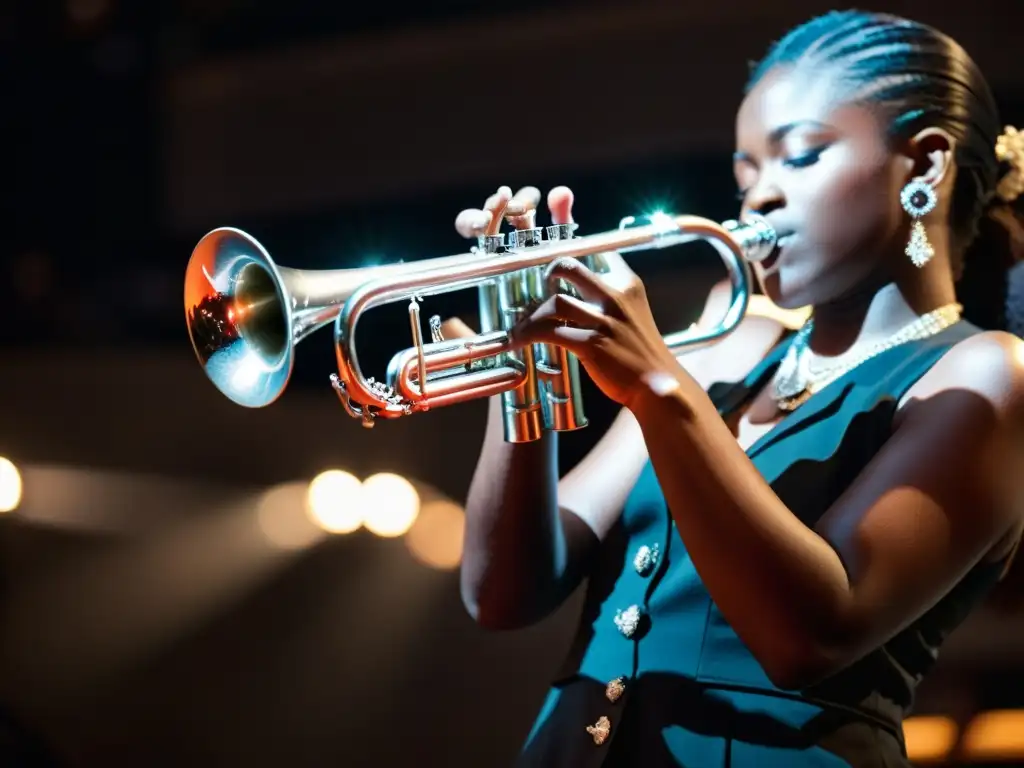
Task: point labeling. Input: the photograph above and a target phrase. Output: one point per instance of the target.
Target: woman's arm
(941, 494)
(934, 501)
(530, 538)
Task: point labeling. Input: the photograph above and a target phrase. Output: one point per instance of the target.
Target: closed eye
(804, 160)
(799, 161)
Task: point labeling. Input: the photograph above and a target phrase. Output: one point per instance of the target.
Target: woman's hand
(519, 210)
(611, 329)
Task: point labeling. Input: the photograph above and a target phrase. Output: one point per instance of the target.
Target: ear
(931, 154)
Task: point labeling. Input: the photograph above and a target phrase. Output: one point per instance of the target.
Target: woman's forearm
(514, 567)
(777, 582)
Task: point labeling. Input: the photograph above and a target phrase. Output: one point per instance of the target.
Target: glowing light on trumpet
(390, 504)
(662, 221)
(10, 485)
(334, 501)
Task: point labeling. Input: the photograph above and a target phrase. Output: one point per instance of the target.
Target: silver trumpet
(246, 314)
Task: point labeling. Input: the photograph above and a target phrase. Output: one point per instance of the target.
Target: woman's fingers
(552, 331)
(588, 284)
(472, 222)
(560, 200)
(519, 210)
(496, 205)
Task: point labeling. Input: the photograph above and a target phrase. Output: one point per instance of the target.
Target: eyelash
(806, 159)
(801, 161)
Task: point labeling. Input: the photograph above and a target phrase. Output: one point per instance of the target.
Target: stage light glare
(436, 538)
(390, 504)
(334, 501)
(10, 485)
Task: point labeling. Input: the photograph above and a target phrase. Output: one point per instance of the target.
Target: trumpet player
(778, 531)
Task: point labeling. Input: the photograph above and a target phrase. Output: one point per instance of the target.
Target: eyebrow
(778, 134)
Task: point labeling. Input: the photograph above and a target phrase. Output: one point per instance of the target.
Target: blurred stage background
(168, 599)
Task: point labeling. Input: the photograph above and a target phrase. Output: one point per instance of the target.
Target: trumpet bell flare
(238, 319)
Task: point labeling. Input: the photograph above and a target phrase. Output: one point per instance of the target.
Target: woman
(779, 531)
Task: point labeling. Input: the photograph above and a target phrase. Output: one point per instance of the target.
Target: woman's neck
(886, 303)
(872, 316)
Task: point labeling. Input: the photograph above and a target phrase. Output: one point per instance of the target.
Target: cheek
(855, 207)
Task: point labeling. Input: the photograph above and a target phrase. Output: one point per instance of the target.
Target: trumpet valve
(561, 231)
(526, 238)
(491, 243)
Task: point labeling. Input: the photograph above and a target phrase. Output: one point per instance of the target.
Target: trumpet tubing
(246, 315)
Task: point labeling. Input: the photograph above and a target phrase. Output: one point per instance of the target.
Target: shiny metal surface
(245, 316)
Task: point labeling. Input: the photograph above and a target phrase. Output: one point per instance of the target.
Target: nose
(764, 197)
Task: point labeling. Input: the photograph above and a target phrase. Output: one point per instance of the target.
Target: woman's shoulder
(989, 364)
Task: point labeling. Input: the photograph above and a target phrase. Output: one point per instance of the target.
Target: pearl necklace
(795, 381)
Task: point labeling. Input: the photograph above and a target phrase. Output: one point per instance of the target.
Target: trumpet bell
(238, 317)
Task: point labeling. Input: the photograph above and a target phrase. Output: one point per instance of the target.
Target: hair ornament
(1010, 149)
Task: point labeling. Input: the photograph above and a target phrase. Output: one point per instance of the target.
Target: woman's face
(821, 173)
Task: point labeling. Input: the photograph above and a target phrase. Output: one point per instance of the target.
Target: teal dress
(657, 664)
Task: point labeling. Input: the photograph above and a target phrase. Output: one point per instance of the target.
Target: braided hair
(916, 77)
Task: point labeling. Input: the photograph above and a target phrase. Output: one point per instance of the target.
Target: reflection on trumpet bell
(245, 316)
(237, 317)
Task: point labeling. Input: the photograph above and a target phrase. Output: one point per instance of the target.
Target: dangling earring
(918, 199)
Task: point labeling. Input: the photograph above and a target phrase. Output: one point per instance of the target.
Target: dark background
(144, 624)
